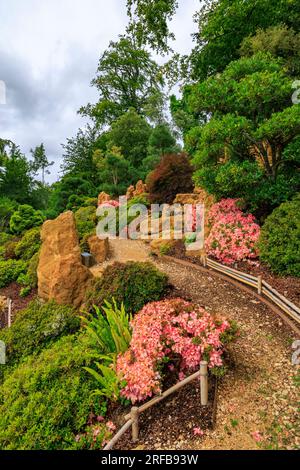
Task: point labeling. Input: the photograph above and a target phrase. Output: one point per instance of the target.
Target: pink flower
(256, 435)
(198, 432)
(110, 426)
(100, 419)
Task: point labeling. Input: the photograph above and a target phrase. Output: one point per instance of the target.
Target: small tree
(40, 161)
(172, 175)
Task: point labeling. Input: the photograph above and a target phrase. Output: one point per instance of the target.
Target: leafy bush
(132, 283)
(29, 245)
(32, 271)
(25, 218)
(47, 400)
(141, 199)
(234, 235)
(9, 249)
(86, 220)
(38, 326)
(280, 239)
(165, 332)
(10, 270)
(7, 208)
(172, 175)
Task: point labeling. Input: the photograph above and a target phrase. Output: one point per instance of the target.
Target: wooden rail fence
(132, 419)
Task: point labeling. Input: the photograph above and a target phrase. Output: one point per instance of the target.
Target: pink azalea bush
(234, 235)
(110, 203)
(165, 330)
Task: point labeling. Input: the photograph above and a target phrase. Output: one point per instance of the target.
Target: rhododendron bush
(170, 331)
(234, 235)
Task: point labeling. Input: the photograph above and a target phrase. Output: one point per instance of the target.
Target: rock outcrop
(103, 197)
(138, 190)
(98, 248)
(61, 275)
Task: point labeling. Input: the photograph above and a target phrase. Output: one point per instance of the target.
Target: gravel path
(258, 393)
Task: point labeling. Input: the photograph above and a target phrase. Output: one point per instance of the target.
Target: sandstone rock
(140, 188)
(130, 192)
(99, 248)
(103, 197)
(3, 303)
(61, 275)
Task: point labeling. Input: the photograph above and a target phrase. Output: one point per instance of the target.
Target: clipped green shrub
(280, 239)
(24, 218)
(36, 327)
(47, 400)
(9, 251)
(32, 270)
(132, 283)
(10, 270)
(86, 220)
(29, 245)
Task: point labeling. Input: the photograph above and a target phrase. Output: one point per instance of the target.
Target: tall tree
(127, 78)
(40, 161)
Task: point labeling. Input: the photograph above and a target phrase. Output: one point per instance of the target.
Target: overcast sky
(49, 51)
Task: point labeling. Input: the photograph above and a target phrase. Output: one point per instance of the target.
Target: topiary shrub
(36, 327)
(132, 283)
(10, 270)
(29, 245)
(25, 218)
(172, 175)
(280, 239)
(47, 400)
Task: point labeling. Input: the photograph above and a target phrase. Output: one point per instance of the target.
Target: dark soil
(287, 286)
(162, 425)
(19, 303)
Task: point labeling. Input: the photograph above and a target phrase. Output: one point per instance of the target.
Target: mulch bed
(287, 286)
(161, 426)
(19, 303)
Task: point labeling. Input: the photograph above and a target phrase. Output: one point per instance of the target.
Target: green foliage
(112, 335)
(29, 245)
(37, 327)
(173, 175)
(10, 270)
(25, 218)
(25, 291)
(32, 271)
(134, 284)
(280, 41)
(40, 162)
(280, 239)
(47, 400)
(7, 208)
(111, 331)
(86, 221)
(141, 199)
(126, 78)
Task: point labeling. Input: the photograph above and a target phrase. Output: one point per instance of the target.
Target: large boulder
(103, 197)
(61, 274)
(99, 248)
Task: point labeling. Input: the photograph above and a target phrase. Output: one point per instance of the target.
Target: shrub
(38, 326)
(25, 218)
(29, 245)
(280, 239)
(234, 236)
(141, 199)
(172, 175)
(167, 331)
(7, 208)
(132, 283)
(47, 400)
(9, 251)
(32, 270)
(86, 220)
(10, 270)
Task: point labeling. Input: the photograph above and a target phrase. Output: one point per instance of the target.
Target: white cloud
(48, 55)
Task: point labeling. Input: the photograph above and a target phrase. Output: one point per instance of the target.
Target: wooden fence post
(204, 383)
(9, 305)
(204, 261)
(135, 423)
(259, 285)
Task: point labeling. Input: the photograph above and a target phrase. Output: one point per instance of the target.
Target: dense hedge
(134, 284)
(280, 239)
(47, 400)
(36, 327)
(10, 270)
